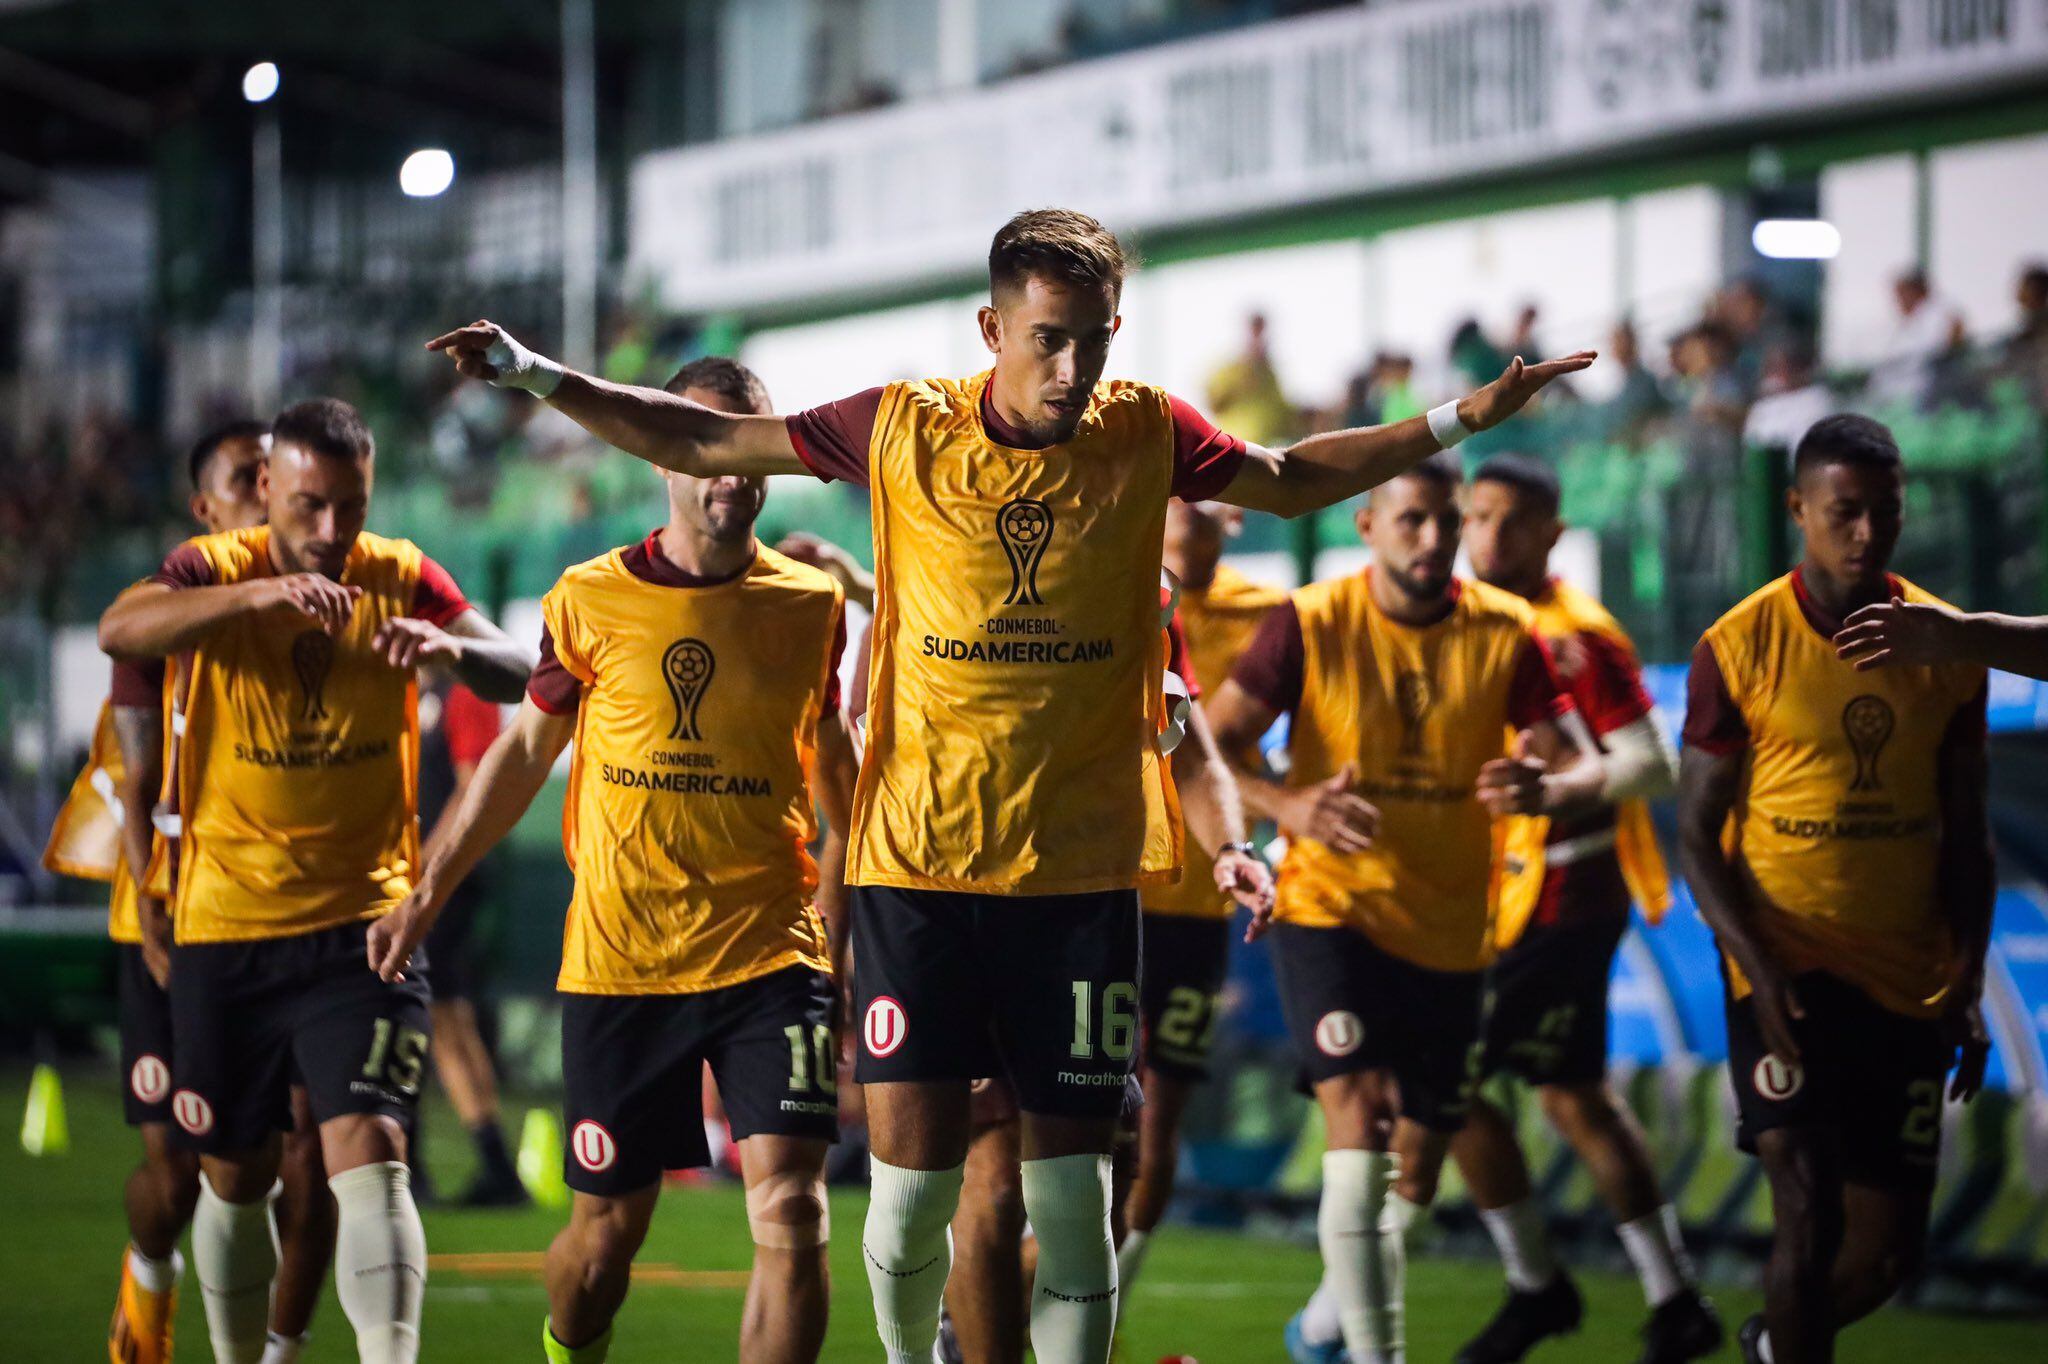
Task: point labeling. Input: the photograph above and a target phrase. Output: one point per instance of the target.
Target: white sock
(1657, 1248)
(1763, 1348)
(1364, 1251)
(1130, 1258)
(1073, 1299)
(234, 1254)
(283, 1349)
(155, 1276)
(1518, 1233)
(1319, 1322)
(908, 1246)
(380, 1260)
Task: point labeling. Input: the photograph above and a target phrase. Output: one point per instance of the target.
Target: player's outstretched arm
(153, 619)
(1708, 785)
(1214, 811)
(665, 430)
(1969, 882)
(1324, 470)
(506, 781)
(1928, 633)
(483, 658)
(139, 734)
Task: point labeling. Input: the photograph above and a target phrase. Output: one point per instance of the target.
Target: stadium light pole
(580, 209)
(266, 232)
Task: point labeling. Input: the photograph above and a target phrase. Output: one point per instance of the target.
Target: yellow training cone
(43, 1130)
(540, 1158)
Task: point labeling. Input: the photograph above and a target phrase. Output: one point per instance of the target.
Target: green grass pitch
(1218, 1297)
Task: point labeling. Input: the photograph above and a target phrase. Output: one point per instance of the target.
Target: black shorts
(447, 942)
(1039, 989)
(1546, 1004)
(1352, 1007)
(250, 1019)
(144, 1011)
(1180, 991)
(633, 1074)
(1871, 1076)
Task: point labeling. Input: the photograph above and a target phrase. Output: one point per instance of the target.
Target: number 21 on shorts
(1118, 1034)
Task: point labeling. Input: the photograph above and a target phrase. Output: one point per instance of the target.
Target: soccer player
(1402, 682)
(697, 674)
(1832, 827)
(1187, 924)
(298, 644)
(1011, 798)
(453, 741)
(1567, 884)
(224, 466)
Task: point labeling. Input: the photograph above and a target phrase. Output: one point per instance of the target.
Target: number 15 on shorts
(1109, 1022)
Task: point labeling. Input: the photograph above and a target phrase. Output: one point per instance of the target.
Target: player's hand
(1518, 383)
(1777, 1005)
(407, 642)
(1896, 632)
(391, 940)
(1514, 785)
(819, 553)
(484, 350)
(1330, 812)
(1964, 1029)
(155, 921)
(1249, 881)
(313, 595)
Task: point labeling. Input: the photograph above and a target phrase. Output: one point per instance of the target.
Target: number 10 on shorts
(1118, 1033)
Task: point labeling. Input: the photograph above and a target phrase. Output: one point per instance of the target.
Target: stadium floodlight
(260, 82)
(1796, 239)
(426, 173)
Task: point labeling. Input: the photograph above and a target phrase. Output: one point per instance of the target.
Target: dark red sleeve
(435, 598)
(1536, 693)
(469, 724)
(1713, 724)
(1272, 666)
(832, 440)
(553, 687)
(139, 683)
(184, 567)
(1177, 660)
(1605, 678)
(829, 703)
(1204, 459)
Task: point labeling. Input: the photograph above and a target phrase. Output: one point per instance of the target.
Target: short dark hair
(208, 445)
(1526, 475)
(1845, 438)
(1061, 243)
(325, 426)
(729, 379)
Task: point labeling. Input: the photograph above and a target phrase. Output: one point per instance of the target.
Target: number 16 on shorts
(1105, 1024)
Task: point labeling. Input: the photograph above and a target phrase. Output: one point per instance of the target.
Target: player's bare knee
(788, 1211)
(355, 1139)
(608, 1236)
(1578, 1111)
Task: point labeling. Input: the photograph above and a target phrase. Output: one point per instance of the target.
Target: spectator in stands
(1744, 308)
(1640, 400)
(1245, 395)
(1711, 394)
(2024, 354)
(1929, 331)
(1791, 397)
(1474, 353)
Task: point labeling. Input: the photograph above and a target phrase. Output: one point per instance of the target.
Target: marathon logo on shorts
(593, 1146)
(1339, 1033)
(1777, 1079)
(149, 1079)
(193, 1113)
(884, 1028)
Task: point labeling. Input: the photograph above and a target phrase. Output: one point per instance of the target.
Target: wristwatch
(1245, 847)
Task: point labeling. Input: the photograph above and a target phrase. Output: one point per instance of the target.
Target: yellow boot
(140, 1332)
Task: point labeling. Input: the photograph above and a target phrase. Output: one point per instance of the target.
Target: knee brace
(790, 1194)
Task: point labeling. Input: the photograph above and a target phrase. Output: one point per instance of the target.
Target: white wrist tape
(1639, 762)
(1445, 425)
(1178, 709)
(520, 368)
